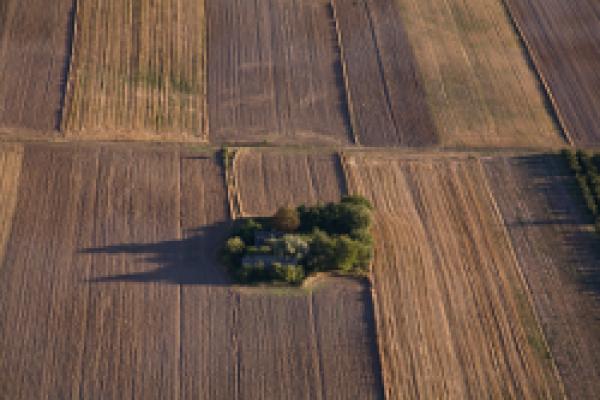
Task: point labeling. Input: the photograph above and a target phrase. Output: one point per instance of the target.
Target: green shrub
(247, 229)
(286, 220)
(290, 273)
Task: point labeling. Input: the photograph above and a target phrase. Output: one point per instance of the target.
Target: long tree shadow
(189, 261)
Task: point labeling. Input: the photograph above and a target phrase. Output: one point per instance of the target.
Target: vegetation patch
(297, 242)
(585, 168)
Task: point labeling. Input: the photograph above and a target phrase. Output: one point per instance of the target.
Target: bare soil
(563, 39)
(557, 250)
(34, 56)
(387, 98)
(274, 72)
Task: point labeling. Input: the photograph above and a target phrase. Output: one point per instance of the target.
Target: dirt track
(387, 98)
(274, 72)
(452, 316)
(137, 71)
(34, 48)
(556, 249)
(563, 37)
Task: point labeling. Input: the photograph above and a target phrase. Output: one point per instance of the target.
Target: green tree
(286, 219)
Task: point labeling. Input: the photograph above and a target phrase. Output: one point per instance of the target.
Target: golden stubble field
(479, 87)
(453, 317)
(137, 71)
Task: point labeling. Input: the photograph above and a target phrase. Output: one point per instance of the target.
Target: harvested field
(452, 315)
(562, 37)
(386, 95)
(10, 171)
(267, 180)
(109, 285)
(274, 72)
(479, 87)
(137, 70)
(34, 51)
(547, 221)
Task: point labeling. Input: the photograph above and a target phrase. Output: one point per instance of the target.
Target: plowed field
(34, 49)
(109, 285)
(386, 96)
(452, 315)
(274, 72)
(479, 87)
(548, 225)
(563, 37)
(137, 70)
(267, 180)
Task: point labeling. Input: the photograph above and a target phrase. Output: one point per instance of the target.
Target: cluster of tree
(296, 242)
(585, 168)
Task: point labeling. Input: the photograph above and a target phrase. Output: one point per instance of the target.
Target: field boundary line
(353, 125)
(205, 127)
(521, 275)
(66, 96)
(536, 67)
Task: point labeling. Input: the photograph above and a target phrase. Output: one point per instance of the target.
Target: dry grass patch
(10, 171)
(448, 297)
(137, 70)
(479, 87)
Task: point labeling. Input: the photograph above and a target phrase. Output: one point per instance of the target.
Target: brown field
(479, 88)
(274, 72)
(558, 253)
(34, 48)
(109, 285)
(148, 86)
(267, 180)
(453, 318)
(562, 37)
(10, 171)
(386, 96)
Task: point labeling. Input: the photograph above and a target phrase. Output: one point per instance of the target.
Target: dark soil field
(386, 97)
(34, 58)
(550, 231)
(274, 72)
(563, 38)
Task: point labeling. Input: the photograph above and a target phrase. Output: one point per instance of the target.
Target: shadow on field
(188, 261)
(578, 244)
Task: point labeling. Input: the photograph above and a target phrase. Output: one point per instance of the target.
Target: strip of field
(563, 39)
(453, 318)
(387, 99)
(137, 70)
(34, 48)
(274, 72)
(267, 180)
(330, 339)
(558, 253)
(10, 171)
(479, 87)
